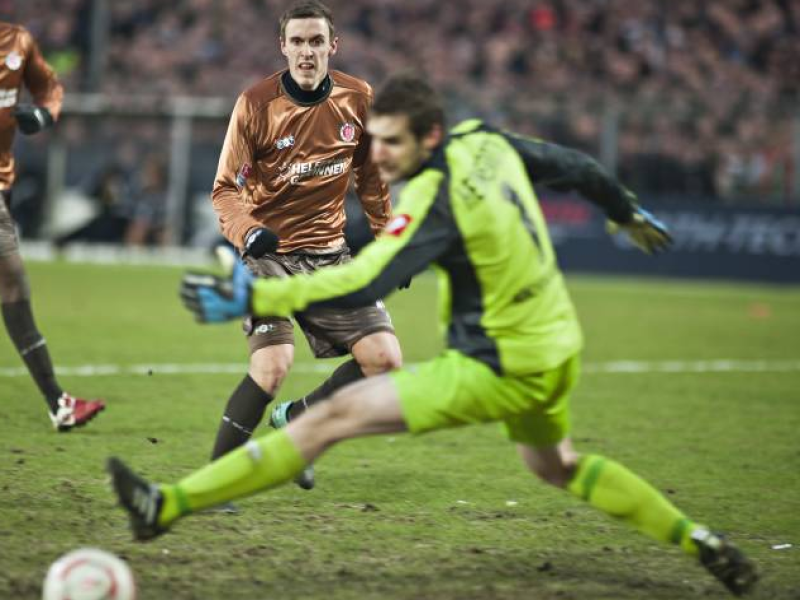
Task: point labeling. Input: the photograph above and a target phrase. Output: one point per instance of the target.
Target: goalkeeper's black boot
(141, 499)
(725, 562)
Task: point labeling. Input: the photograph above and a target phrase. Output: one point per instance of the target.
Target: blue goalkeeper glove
(644, 231)
(214, 299)
(31, 118)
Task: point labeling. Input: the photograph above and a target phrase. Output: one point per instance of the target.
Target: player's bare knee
(391, 359)
(378, 364)
(269, 376)
(381, 355)
(270, 365)
(269, 379)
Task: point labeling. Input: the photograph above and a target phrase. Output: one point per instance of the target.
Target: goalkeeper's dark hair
(411, 95)
(307, 9)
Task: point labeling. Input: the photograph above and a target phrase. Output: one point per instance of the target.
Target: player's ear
(334, 46)
(282, 43)
(433, 138)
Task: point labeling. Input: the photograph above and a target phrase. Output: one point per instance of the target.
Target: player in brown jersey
(23, 65)
(293, 141)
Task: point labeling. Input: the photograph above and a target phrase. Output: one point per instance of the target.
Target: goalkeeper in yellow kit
(468, 207)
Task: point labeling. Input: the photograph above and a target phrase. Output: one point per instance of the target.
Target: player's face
(307, 46)
(395, 149)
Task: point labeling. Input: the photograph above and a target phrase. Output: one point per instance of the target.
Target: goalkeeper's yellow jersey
(472, 212)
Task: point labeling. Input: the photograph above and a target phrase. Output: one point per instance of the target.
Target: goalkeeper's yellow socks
(260, 464)
(610, 487)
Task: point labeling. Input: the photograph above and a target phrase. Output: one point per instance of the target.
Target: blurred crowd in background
(705, 93)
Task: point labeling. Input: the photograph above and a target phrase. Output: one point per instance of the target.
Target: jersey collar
(435, 161)
(306, 97)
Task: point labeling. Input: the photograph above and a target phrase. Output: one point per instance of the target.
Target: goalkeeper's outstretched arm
(564, 169)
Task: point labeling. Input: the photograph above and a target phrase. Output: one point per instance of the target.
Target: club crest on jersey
(347, 132)
(243, 174)
(13, 61)
(285, 142)
(398, 225)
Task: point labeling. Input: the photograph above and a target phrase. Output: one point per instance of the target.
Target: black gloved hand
(32, 119)
(644, 231)
(259, 242)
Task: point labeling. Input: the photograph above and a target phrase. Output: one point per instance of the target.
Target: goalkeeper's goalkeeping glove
(214, 299)
(31, 118)
(644, 231)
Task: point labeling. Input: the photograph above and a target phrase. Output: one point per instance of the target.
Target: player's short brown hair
(307, 9)
(411, 95)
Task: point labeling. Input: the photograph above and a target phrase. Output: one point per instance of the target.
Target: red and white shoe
(75, 412)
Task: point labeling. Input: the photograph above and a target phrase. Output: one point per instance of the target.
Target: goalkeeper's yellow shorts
(454, 390)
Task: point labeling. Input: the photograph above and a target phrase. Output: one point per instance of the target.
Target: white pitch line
(619, 367)
(164, 369)
(695, 366)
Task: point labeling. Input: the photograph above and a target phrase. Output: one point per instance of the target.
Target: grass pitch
(452, 515)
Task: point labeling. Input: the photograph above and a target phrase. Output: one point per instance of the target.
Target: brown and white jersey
(286, 163)
(21, 63)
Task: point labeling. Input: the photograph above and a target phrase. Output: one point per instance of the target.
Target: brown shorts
(9, 244)
(330, 331)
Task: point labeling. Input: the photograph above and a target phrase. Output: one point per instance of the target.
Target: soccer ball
(89, 574)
